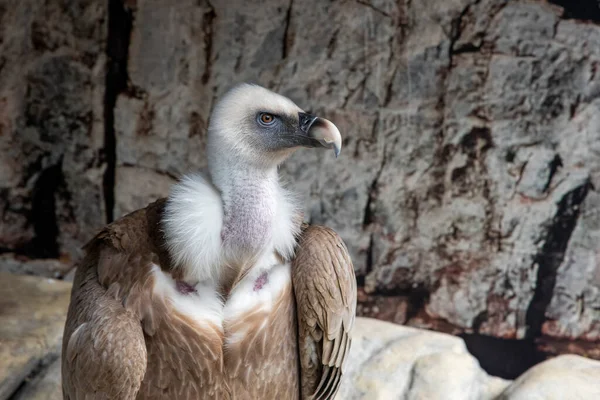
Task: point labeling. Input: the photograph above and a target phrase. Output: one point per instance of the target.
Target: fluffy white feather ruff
(192, 225)
(194, 220)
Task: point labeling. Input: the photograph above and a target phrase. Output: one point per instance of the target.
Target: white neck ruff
(193, 222)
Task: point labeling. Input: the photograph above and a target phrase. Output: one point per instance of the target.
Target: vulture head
(251, 132)
(257, 128)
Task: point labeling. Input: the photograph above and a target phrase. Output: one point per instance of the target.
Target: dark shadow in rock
(43, 214)
(504, 358)
(120, 22)
(586, 10)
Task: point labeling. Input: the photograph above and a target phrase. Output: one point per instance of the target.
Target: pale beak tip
(335, 139)
(327, 134)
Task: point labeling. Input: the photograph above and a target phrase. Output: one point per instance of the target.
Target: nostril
(305, 121)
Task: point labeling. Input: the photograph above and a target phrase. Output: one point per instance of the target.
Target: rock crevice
(120, 23)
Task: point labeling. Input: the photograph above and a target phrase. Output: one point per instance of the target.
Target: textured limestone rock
(51, 124)
(563, 377)
(45, 386)
(50, 268)
(389, 361)
(148, 184)
(32, 317)
(449, 376)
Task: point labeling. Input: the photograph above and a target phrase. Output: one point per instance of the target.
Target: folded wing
(104, 354)
(325, 289)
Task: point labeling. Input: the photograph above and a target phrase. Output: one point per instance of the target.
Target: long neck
(249, 206)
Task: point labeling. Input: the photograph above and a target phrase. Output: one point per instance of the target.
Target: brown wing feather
(325, 289)
(104, 350)
(104, 354)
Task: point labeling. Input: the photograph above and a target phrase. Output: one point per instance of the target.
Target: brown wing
(325, 288)
(123, 342)
(104, 354)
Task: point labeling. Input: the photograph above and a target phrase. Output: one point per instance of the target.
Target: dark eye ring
(266, 119)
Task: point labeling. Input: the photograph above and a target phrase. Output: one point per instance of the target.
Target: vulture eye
(266, 119)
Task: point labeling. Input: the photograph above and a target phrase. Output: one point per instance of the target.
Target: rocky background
(467, 187)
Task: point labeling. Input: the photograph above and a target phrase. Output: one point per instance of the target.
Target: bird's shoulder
(139, 230)
(125, 253)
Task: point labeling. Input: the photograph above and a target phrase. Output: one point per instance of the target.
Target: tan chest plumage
(251, 354)
(185, 361)
(263, 364)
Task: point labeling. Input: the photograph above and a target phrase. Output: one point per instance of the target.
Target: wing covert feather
(325, 289)
(104, 354)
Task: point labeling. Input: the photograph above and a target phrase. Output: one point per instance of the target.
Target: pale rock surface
(448, 375)
(32, 317)
(389, 361)
(45, 386)
(394, 362)
(564, 377)
(50, 268)
(148, 184)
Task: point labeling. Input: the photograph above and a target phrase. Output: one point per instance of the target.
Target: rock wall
(466, 189)
(52, 155)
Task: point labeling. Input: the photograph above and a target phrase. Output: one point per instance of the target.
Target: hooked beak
(321, 131)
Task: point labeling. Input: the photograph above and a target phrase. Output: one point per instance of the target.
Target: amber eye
(266, 119)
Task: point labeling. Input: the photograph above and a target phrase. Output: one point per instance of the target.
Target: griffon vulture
(218, 291)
